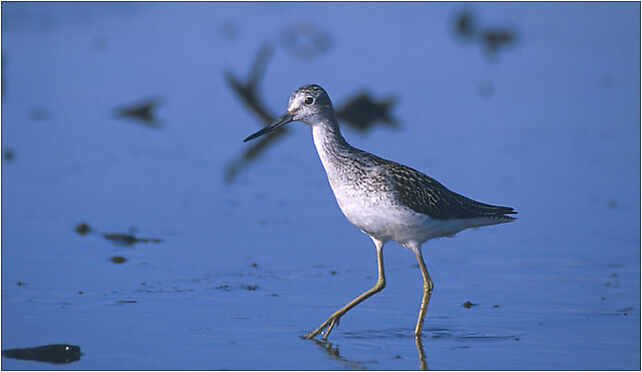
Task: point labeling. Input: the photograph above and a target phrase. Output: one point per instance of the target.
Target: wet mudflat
(142, 231)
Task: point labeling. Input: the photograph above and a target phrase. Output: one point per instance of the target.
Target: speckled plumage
(384, 199)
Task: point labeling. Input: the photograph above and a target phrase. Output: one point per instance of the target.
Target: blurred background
(139, 232)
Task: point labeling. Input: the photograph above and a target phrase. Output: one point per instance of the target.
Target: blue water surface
(546, 120)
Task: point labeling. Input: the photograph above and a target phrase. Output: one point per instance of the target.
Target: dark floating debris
(8, 155)
(254, 264)
(128, 239)
(612, 204)
(496, 306)
(20, 284)
(82, 228)
(227, 287)
(469, 304)
(362, 112)
(127, 302)
(116, 238)
(464, 24)
(118, 259)
(143, 112)
(305, 41)
(248, 92)
(55, 354)
(491, 38)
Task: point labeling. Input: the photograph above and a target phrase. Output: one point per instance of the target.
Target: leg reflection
(333, 352)
(422, 354)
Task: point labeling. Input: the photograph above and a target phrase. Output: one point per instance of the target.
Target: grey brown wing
(423, 194)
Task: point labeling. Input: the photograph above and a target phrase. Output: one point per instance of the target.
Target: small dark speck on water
(469, 304)
(251, 287)
(603, 298)
(612, 204)
(486, 88)
(495, 306)
(127, 301)
(254, 264)
(397, 356)
(118, 259)
(82, 228)
(516, 338)
(80, 292)
(333, 272)
(8, 155)
(39, 114)
(614, 275)
(20, 284)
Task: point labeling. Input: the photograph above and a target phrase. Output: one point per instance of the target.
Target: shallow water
(548, 124)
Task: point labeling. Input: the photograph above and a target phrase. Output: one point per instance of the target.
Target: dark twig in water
(143, 112)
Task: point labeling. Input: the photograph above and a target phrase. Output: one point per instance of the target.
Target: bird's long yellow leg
(428, 286)
(334, 318)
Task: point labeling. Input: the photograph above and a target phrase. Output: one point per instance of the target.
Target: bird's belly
(377, 215)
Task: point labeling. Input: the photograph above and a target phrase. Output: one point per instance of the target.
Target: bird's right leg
(428, 286)
(334, 318)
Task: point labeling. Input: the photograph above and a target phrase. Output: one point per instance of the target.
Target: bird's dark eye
(309, 100)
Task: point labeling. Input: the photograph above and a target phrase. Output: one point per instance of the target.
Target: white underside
(384, 219)
(378, 216)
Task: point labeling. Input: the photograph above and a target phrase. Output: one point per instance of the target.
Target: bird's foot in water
(329, 323)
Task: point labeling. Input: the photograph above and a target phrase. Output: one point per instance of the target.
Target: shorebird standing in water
(384, 199)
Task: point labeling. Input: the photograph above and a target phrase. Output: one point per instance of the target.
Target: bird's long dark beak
(281, 121)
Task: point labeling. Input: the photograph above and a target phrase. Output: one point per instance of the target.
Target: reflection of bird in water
(144, 112)
(423, 365)
(384, 199)
(360, 112)
(333, 352)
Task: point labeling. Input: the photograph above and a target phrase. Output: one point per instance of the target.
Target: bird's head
(307, 104)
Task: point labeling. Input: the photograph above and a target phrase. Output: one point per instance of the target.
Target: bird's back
(425, 195)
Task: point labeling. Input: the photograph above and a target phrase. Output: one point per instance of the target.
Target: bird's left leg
(334, 318)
